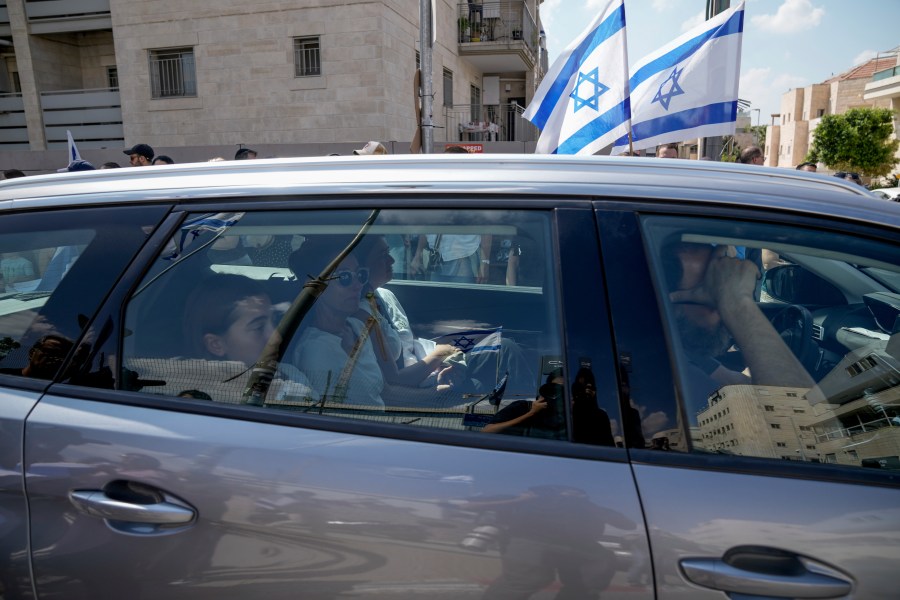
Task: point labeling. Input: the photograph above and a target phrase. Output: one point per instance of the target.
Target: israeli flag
(474, 341)
(72, 148)
(582, 103)
(688, 88)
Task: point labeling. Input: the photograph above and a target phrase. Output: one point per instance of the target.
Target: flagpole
(425, 61)
(630, 143)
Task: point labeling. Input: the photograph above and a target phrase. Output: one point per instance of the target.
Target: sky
(787, 43)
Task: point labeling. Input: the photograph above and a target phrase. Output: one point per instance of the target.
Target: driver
(713, 297)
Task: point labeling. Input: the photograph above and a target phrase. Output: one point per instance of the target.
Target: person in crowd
(334, 348)
(110, 165)
(590, 423)
(667, 151)
(77, 165)
(12, 174)
(162, 159)
(455, 150)
(245, 154)
(851, 177)
(751, 155)
(807, 166)
(463, 258)
(140, 155)
(713, 296)
(371, 148)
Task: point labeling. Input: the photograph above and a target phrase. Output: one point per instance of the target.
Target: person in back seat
(420, 356)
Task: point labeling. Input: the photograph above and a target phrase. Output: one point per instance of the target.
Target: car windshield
(889, 279)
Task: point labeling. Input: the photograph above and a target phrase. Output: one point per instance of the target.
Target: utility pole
(712, 147)
(426, 41)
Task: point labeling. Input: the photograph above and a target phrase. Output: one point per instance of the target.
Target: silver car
(448, 377)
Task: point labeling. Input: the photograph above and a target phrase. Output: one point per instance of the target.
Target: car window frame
(633, 210)
(114, 312)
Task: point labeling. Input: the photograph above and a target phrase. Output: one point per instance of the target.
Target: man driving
(713, 297)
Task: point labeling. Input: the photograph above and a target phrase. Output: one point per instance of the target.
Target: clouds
(764, 88)
(791, 17)
(693, 21)
(864, 56)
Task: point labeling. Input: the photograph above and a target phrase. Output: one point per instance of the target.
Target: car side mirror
(795, 285)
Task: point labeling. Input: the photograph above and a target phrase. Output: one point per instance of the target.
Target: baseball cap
(371, 148)
(77, 165)
(142, 150)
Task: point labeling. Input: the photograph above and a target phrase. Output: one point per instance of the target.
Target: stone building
(788, 138)
(195, 79)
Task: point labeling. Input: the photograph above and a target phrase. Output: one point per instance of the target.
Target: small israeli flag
(72, 148)
(474, 341)
(582, 104)
(688, 88)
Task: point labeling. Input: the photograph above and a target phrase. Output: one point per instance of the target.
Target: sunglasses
(854, 176)
(345, 278)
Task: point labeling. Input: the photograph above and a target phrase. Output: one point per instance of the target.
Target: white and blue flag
(688, 88)
(72, 148)
(582, 105)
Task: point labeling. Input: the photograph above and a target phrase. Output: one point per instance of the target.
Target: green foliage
(759, 131)
(858, 140)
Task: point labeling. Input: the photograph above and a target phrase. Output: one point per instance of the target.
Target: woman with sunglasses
(334, 348)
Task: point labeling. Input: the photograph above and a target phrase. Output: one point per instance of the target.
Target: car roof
(518, 175)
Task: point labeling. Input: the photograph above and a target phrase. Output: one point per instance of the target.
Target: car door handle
(168, 511)
(751, 572)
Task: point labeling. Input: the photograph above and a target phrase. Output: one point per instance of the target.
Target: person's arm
(415, 265)
(536, 406)
(485, 256)
(728, 287)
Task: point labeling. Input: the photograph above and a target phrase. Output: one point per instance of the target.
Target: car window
(445, 319)
(55, 267)
(785, 346)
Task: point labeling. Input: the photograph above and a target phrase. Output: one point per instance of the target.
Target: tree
(858, 140)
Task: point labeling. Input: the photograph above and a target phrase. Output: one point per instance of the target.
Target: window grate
(173, 73)
(307, 57)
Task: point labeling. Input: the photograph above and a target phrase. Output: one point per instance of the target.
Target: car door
(56, 267)
(181, 483)
(761, 487)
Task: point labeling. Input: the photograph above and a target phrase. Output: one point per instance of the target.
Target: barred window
(172, 73)
(112, 77)
(307, 57)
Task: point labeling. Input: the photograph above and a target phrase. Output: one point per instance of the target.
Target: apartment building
(195, 79)
(789, 137)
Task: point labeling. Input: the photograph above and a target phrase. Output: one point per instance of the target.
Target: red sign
(471, 148)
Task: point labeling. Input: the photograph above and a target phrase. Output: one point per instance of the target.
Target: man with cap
(245, 154)
(371, 148)
(140, 155)
(77, 165)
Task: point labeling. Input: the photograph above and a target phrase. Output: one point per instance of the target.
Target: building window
(448, 87)
(770, 408)
(16, 83)
(172, 73)
(307, 57)
(820, 112)
(775, 426)
(112, 77)
(781, 444)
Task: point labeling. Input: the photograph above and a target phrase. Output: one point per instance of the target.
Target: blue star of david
(463, 343)
(592, 101)
(674, 89)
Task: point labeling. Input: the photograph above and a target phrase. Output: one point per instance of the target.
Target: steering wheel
(795, 326)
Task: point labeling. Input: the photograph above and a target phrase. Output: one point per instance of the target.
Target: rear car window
(443, 319)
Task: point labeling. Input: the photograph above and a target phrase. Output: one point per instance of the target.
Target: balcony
(884, 84)
(62, 16)
(13, 130)
(491, 123)
(93, 116)
(497, 37)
